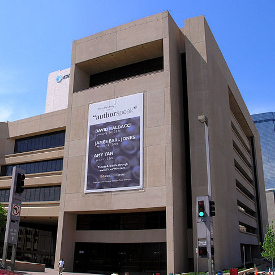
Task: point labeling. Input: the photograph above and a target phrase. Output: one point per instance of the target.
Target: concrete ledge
(27, 266)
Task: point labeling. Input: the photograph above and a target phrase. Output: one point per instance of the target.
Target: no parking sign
(16, 210)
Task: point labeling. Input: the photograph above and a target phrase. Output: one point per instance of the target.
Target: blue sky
(36, 38)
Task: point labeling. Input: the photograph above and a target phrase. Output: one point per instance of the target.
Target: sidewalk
(49, 271)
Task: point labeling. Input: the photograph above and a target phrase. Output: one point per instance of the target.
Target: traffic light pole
(209, 222)
(13, 217)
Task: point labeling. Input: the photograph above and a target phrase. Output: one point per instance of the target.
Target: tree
(3, 220)
(268, 245)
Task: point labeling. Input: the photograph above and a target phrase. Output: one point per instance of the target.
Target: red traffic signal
(201, 209)
(202, 251)
(20, 183)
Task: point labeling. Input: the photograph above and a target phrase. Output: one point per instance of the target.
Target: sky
(36, 39)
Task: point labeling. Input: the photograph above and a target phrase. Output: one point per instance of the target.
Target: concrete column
(66, 240)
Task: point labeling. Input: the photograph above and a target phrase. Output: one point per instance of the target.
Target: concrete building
(58, 89)
(134, 157)
(265, 123)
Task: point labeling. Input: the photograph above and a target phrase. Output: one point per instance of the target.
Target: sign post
(13, 217)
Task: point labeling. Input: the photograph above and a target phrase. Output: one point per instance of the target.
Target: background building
(58, 89)
(35, 144)
(133, 159)
(265, 123)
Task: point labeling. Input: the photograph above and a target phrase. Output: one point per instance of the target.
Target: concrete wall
(270, 199)
(176, 219)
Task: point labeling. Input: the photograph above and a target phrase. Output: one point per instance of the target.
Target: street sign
(16, 210)
(13, 233)
(202, 243)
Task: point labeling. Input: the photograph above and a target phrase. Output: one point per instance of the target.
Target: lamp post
(204, 120)
(209, 221)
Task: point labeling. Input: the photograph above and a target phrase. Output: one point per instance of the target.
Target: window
(246, 228)
(51, 193)
(133, 258)
(39, 142)
(122, 221)
(135, 69)
(35, 167)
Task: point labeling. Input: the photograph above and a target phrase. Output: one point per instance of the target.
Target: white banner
(115, 144)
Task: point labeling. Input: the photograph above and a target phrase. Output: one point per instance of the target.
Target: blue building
(265, 123)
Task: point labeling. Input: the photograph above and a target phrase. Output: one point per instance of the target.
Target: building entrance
(135, 258)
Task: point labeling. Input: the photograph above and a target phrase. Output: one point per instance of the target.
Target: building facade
(265, 123)
(133, 156)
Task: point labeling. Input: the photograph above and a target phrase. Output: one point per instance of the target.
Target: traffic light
(20, 183)
(212, 208)
(201, 209)
(202, 251)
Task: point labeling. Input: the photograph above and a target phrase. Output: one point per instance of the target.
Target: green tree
(268, 245)
(3, 219)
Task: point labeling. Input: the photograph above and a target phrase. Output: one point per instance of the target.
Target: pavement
(49, 271)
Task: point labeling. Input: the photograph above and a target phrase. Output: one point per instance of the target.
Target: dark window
(135, 69)
(122, 221)
(246, 228)
(35, 167)
(51, 193)
(133, 258)
(39, 142)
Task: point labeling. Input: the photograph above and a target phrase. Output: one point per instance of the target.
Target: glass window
(42, 194)
(49, 166)
(59, 164)
(4, 170)
(265, 123)
(34, 167)
(47, 194)
(134, 258)
(40, 167)
(34, 194)
(122, 221)
(53, 140)
(52, 194)
(29, 145)
(36, 144)
(26, 195)
(2, 195)
(39, 142)
(7, 195)
(48, 142)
